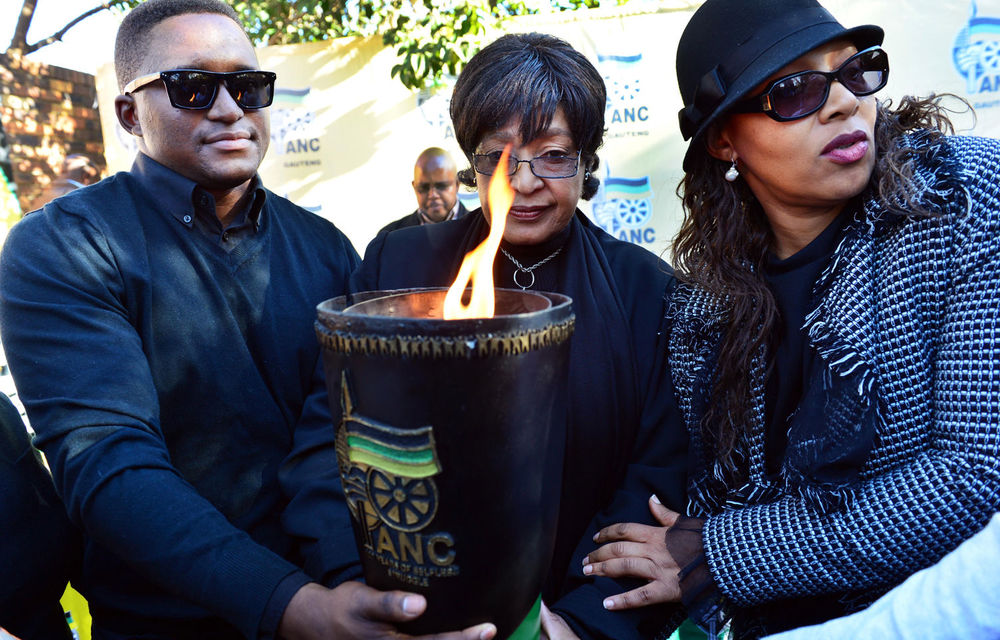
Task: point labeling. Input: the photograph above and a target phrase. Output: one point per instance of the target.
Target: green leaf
(431, 37)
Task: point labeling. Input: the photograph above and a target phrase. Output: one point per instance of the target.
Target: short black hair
(131, 42)
(528, 76)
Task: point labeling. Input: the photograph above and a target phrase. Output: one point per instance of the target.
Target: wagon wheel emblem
(634, 213)
(405, 504)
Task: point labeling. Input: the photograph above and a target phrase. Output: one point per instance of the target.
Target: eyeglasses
(801, 94)
(542, 166)
(440, 187)
(197, 89)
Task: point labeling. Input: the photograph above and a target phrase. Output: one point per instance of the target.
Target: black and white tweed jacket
(908, 323)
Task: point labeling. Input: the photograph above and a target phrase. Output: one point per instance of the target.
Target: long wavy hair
(722, 247)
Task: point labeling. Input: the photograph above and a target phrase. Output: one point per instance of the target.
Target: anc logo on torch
(386, 471)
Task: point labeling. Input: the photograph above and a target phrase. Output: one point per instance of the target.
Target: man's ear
(128, 118)
(719, 144)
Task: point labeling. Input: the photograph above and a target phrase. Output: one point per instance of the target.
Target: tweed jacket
(907, 323)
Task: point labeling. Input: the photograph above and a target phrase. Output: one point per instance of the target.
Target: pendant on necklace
(524, 287)
(520, 268)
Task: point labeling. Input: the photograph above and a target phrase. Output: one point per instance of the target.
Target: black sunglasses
(801, 94)
(197, 89)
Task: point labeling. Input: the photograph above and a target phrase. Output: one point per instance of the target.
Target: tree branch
(57, 36)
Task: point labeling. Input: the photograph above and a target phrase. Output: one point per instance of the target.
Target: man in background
(435, 183)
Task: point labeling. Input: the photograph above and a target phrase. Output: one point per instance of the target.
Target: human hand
(554, 627)
(632, 550)
(356, 611)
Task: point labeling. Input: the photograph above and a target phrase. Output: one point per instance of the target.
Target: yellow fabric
(75, 604)
(10, 210)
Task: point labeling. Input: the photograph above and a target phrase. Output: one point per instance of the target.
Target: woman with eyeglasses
(834, 336)
(537, 94)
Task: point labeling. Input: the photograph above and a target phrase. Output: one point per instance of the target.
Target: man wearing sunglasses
(435, 183)
(159, 328)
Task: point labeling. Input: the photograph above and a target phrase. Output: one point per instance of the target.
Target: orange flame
(477, 267)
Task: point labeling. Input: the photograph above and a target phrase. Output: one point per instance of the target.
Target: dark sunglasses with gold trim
(801, 94)
(197, 88)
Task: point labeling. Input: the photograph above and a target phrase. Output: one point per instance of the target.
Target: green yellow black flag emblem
(386, 471)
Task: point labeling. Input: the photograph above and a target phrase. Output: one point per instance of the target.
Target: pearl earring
(732, 173)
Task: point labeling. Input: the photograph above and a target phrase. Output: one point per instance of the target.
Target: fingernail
(655, 499)
(488, 632)
(586, 560)
(410, 605)
(609, 604)
(595, 537)
(588, 569)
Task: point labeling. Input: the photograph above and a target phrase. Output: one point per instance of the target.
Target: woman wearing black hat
(836, 337)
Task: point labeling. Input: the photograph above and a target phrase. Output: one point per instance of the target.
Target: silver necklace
(528, 270)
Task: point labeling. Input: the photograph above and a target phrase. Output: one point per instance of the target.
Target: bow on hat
(708, 95)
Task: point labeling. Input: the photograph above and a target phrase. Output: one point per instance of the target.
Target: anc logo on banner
(626, 113)
(294, 131)
(387, 476)
(976, 56)
(624, 207)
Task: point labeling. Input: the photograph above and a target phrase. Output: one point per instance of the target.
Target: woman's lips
(847, 148)
(526, 213)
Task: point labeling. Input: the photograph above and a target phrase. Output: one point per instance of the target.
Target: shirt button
(187, 219)
(225, 236)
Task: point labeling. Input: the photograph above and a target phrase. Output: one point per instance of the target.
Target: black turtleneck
(792, 281)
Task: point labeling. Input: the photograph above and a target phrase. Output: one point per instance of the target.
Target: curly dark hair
(130, 43)
(723, 242)
(528, 76)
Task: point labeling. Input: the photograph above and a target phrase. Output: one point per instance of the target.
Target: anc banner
(344, 134)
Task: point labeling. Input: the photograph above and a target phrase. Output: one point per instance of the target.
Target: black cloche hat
(731, 46)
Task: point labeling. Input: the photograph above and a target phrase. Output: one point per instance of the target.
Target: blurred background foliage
(432, 38)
